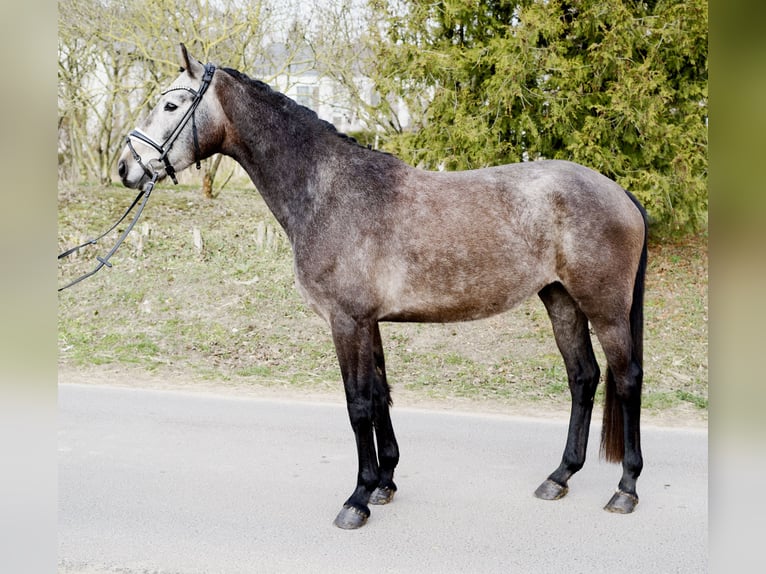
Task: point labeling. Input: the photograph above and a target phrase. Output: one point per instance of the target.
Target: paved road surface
(169, 482)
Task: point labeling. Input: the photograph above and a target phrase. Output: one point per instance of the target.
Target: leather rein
(164, 150)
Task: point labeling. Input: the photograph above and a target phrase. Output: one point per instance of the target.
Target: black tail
(612, 432)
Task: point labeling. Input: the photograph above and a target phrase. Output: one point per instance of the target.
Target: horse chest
(312, 296)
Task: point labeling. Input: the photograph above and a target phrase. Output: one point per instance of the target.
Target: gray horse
(377, 240)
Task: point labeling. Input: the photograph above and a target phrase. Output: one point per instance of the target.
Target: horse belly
(457, 294)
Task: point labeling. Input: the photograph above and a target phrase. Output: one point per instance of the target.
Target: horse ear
(189, 64)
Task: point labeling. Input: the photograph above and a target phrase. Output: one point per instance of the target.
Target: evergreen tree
(616, 85)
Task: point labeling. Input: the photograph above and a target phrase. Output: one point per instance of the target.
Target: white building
(297, 77)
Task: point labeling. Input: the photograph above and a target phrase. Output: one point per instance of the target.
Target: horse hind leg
(388, 449)
(621, 436)
(570, 329)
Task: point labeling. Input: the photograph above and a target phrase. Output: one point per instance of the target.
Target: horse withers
(376, 240)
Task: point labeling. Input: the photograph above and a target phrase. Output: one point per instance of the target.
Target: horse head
(179, 131)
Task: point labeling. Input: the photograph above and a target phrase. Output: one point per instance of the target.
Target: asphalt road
(170, 482)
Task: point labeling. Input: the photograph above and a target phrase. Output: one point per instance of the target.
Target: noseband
(167, 145)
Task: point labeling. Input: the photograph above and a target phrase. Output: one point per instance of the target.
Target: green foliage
(616, 85)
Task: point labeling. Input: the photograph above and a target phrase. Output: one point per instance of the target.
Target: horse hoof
(351, 518)
(622, 503)
(382, 495)
(550, 490)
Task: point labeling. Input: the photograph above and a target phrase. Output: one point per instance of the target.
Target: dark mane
(282, 101)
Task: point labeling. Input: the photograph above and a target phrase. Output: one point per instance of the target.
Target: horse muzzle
(133, 177)
(134, 171)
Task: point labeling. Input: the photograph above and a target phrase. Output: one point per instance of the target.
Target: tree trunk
(208, 177)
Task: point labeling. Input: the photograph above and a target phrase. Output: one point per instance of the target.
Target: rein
(163, 149)
(104, 261)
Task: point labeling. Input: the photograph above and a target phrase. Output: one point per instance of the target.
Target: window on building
(307, 96)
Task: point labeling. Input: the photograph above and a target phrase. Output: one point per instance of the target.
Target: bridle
(163, 150)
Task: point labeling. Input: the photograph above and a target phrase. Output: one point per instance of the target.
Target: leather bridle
(163, 150)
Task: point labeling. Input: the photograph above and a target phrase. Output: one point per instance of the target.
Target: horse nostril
(122, 168)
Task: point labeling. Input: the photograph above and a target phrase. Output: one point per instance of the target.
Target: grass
(229, 312)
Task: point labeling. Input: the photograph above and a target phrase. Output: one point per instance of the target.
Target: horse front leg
(388, 449)
(354, 347)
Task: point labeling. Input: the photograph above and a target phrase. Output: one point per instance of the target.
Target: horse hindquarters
(608, 292)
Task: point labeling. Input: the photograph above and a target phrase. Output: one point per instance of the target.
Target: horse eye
(169, 107)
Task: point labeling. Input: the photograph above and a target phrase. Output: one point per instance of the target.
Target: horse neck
(283, 150)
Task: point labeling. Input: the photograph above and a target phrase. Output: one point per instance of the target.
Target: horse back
(453, 246)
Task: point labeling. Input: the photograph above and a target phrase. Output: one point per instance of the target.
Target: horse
(374, 239)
